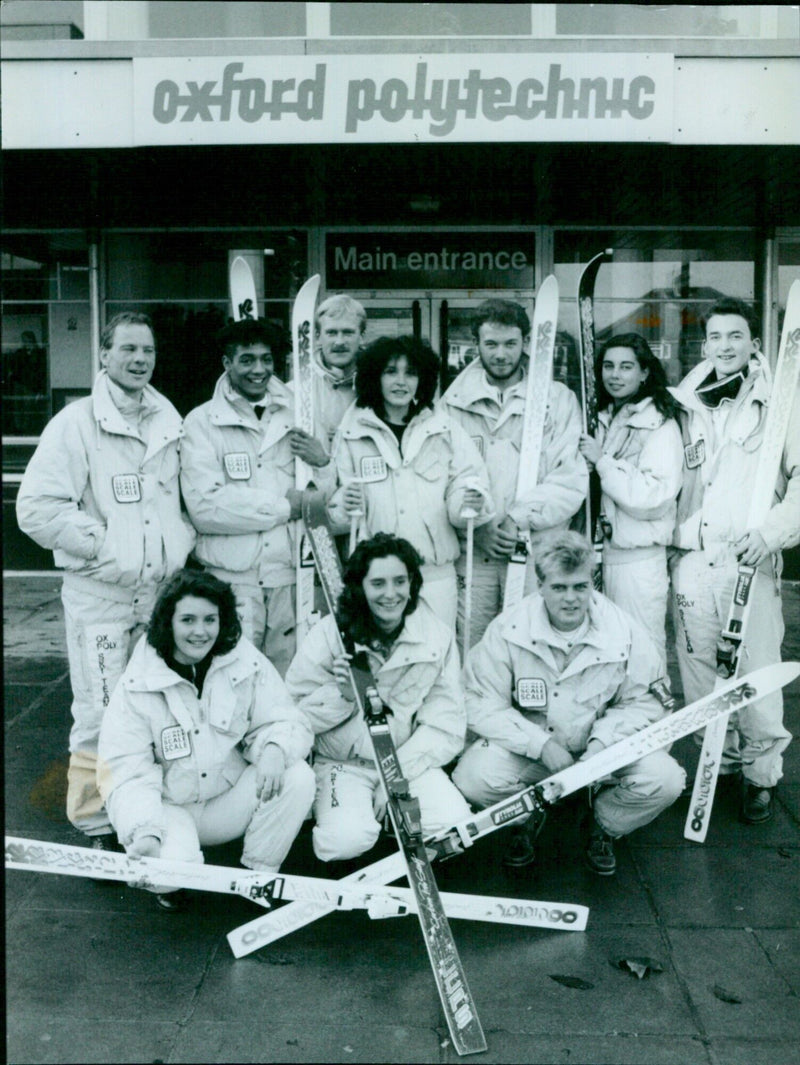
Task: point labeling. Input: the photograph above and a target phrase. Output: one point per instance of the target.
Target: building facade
(420, 157)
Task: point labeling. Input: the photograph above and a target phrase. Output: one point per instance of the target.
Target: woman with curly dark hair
(406, 468)
(638, 455)
(201, 743)
(412, 655)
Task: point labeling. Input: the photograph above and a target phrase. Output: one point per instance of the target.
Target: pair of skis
(734, 635)
(244, 302)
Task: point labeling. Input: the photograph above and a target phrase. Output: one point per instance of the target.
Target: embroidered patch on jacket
(531, 693)
(174, 743)
(373, 468)
(237, 465)
(126, 488)
(695, 454)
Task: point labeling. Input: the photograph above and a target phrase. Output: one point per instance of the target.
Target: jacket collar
(414, 642)
(527, 626)
(365, 422)
(641, 415)
(148, 672)
(333, 376)
(472, 387)
(756, 386)
(229, 408)
(108, 415)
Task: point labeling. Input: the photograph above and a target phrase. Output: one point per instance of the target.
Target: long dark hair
(375, 357)
(654, 385)
(353, 615)
(202, 586)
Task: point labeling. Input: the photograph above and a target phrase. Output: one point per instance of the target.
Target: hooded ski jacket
(719, 474)
(640, 474)
(420, 682)
(102, 497)
(497, 430)
(160, 742)
(519, 698)
(418, 494)
(333, 394)
(235, 473)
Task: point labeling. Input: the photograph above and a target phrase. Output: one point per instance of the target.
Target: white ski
(733, 637)
(303, 384)
(540, 373)
(244, 301)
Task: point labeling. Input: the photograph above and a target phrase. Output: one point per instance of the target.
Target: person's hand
(555, 757)
(342, 673)
(145, 847)
(495, 541)
(295, 498)
(270, 774)
(379, 803)
(751, 550)
(354, 498)
(593, 747)
(590, 450)
(307, 448)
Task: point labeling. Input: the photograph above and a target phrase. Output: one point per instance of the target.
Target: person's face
(399, 383)
(622, 374)
(339, 339)
(566, 597)
(131, 359)
(500, 348)
(249, 369)
(728, 344)
(195, 628)
(387, 589)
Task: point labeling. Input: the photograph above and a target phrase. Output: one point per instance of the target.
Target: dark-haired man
(725, 400)
(101, 491)
(488, 400)
(237, 477)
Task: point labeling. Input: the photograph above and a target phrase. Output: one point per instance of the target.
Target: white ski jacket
(497, 430)
(640, 474)
(519, 698)
(418, 494)
(105, 498)
(235, 472)
(333, 394)
(420, 682)
(160, 743)
(719, 474)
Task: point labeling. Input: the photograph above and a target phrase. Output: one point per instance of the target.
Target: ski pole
(470, 514)
(355, 517)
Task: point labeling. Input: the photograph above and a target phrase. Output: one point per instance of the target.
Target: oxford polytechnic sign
(363, 98)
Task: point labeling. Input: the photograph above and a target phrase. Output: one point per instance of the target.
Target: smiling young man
(237, 478)
(725, 400)
(554, 680)
(488, 400)
(101, 491)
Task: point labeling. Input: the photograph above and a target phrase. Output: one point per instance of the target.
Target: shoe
(520, 851)
(599, 852)
(757, 805)
(173, 901)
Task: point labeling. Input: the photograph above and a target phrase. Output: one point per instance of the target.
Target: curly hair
(654, 385)
(202, 586)
(375, 357)
(353, 615)
(731, 305)
(500, 312)
(123, 318)
(249, 331)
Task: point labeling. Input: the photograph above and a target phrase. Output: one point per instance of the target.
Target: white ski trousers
(487, 773)
(638, 583)
(350, 793)
(269, 828)
(268, 615)
(756, 735)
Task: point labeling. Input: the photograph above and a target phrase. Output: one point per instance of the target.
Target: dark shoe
(757, 805)
(520, 851)
(173, 901)
(599, 852)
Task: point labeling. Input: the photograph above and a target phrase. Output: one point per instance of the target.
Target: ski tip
(550, 283)
(777, 676)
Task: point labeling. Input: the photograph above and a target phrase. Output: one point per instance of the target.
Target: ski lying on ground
(458, 1005)
(537, 391)
(782, 397)
(244, 301)
(303, 385)
(586, 343)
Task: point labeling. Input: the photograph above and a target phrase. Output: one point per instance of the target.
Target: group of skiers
(198, 719)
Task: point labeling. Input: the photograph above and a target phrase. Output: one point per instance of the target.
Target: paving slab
(41, 1039)
(754, 1052)
(782, 947)
(510, 1048)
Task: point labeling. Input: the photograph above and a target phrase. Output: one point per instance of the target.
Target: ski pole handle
(355, 517)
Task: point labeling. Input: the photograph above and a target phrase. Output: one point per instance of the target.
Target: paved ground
(94, 974)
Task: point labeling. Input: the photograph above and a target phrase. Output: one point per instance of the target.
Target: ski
(586, 342)
(729, 648)
(302, 380)
(731, 696)
(451, 982)
(244, 301)
(537, 390)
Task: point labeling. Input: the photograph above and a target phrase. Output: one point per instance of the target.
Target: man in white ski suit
(101, 491)
(340, 324)
(555, 679)
(238, 483)
(725, 400)
(488, 400)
